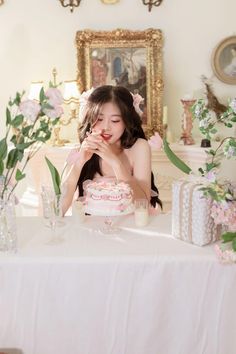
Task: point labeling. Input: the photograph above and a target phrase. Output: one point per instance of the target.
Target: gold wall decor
(223, 60)
(123, 57)
(151, 3)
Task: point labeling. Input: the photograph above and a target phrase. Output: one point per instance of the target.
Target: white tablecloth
(140, 292)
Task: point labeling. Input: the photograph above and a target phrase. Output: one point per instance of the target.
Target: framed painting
(132, 59)
(224, 60)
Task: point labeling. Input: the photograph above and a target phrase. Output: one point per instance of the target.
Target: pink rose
(137, 100)
(54, 96)
(54, 113)
(30, 109)
(155, 141)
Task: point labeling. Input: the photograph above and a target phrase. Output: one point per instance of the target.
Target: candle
(169, 136)
(164, 118)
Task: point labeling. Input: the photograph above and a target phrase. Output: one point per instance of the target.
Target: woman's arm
(140, 153)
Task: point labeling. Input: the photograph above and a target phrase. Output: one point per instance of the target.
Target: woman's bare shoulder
(140, 144)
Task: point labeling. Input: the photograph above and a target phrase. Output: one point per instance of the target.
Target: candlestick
(187, 123)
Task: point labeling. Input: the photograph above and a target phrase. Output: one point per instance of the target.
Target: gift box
(191, 219)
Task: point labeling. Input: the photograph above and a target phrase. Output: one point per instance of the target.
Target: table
(139, 292)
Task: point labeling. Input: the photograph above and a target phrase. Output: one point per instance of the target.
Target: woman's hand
(107, 152)
(90, 145)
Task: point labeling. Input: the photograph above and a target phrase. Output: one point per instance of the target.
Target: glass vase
(8, 227)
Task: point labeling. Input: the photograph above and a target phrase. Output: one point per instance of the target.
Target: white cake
(108, 198)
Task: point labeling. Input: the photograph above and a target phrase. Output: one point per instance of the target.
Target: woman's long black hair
(120, 96)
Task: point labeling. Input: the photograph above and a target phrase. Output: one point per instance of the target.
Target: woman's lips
(106, 136)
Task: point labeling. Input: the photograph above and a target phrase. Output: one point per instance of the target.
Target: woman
(113, 144)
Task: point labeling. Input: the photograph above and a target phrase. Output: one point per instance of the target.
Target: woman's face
(110, 123)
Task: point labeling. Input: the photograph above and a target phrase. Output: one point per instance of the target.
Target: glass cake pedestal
(109, 226)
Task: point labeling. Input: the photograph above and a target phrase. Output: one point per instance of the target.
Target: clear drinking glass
(141, 212)
(54, 215)
(109, 227)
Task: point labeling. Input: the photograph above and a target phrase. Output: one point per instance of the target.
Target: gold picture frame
(123, 57)
(224, 60)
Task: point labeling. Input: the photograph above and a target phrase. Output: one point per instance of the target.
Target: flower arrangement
(207, 119)
(28, 125)
(222, 193)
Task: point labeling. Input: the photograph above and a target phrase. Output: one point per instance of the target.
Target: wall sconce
(34, 91)
(71, 98)
(151, 3)
(70, 3)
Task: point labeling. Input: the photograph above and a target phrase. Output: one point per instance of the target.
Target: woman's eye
(99, 120)
(115, 121)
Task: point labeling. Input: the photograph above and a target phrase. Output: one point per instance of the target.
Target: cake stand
(109, 227)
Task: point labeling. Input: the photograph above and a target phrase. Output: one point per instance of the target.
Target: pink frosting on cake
(108, 197)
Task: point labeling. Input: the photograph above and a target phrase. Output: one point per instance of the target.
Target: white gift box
(191, 219)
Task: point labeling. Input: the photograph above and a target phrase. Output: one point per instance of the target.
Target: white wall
(37, 35)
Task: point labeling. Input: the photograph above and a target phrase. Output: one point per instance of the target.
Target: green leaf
(1, 167)
(19, 175)
(3, 148)
(228, 236)
(234, 244)
(12, 158)
(42, 96)
(25, 130)
(8, 116)
(55, 176)
(24, 146)
(17, 121)
(175, 159)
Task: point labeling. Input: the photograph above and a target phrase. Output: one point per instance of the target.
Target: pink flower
(30, 109)
(211, 176)
(155, 141)
(137, 100)
(224, 213)
(54, 113)
(225, 256)
(54, 96)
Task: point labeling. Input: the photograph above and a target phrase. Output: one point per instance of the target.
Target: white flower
(233, 105)
(204, 123)
(229, 151)
(30, 109)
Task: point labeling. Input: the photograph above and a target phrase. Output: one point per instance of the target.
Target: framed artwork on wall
(128, 58)
(224, 60)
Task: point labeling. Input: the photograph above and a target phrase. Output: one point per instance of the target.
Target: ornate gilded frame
(149, 42)
(223, 60)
